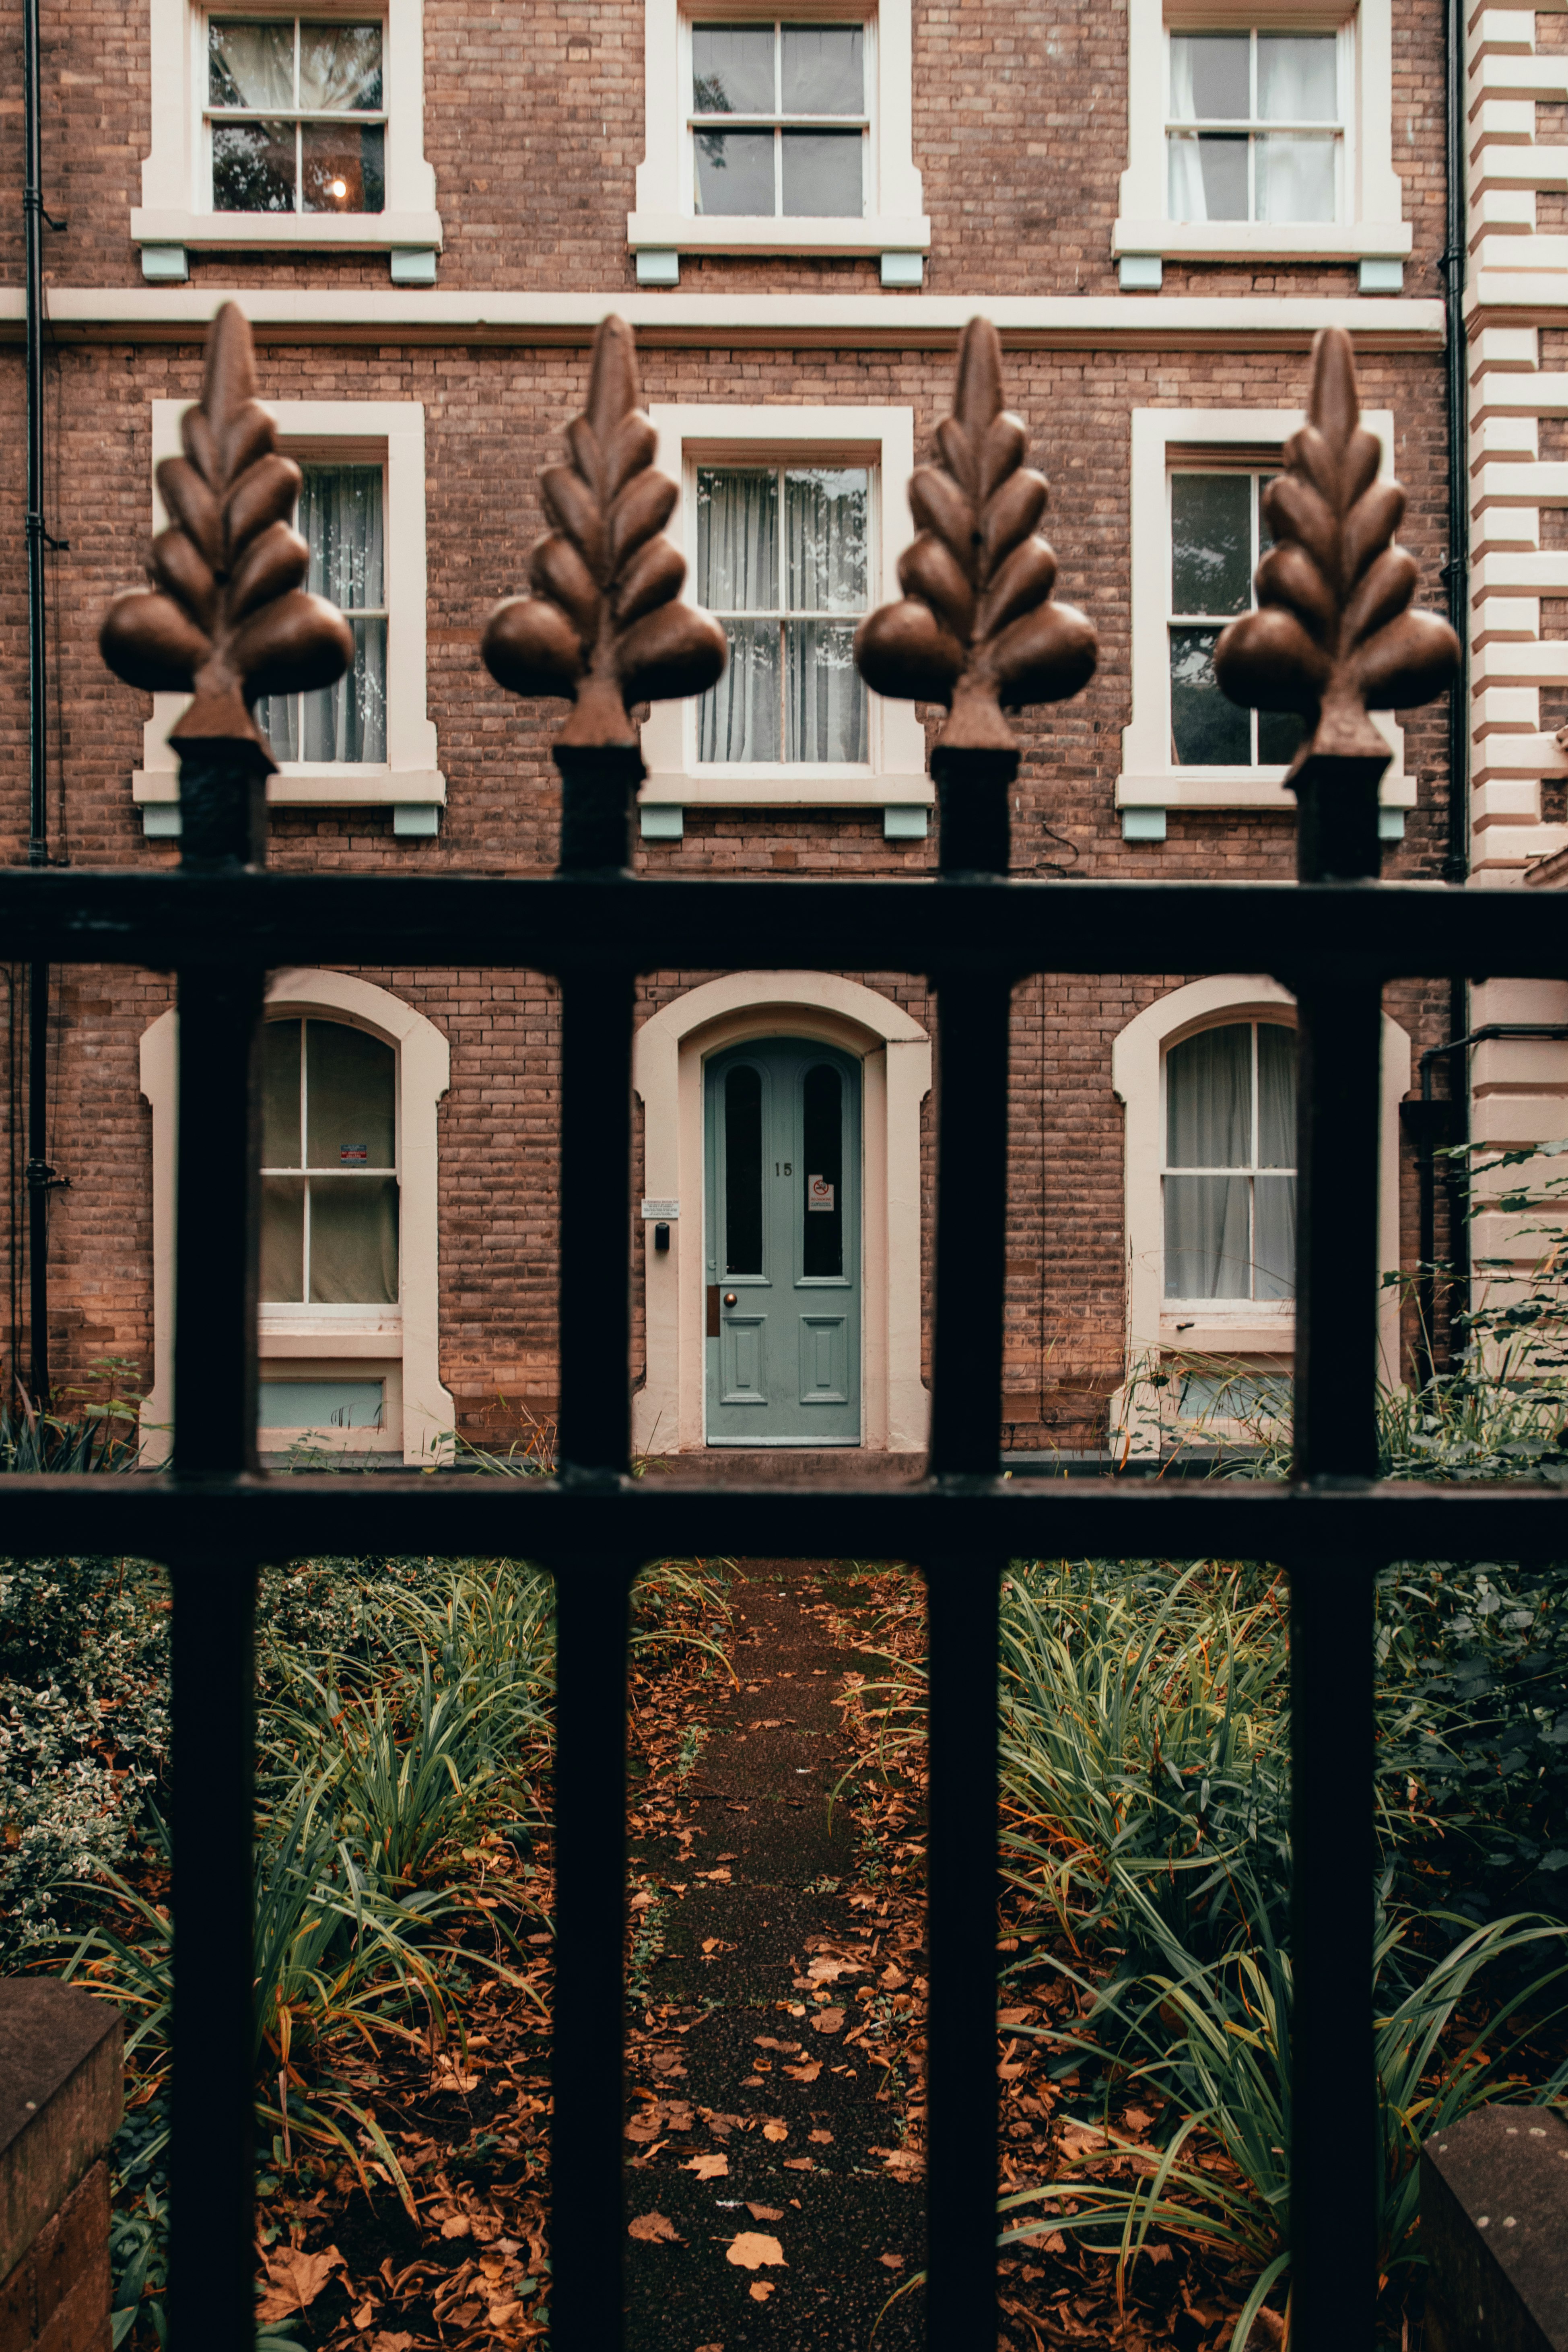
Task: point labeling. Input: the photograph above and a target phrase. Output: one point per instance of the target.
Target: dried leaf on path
(707, 2167)
(828, 2021)
(655, 2228)
(296, 2279)
(808, 2074)
(752, 2248)
(775, 2131)
(893, 2261)
(764, 2212)
(761, 2290)
(822, 2137)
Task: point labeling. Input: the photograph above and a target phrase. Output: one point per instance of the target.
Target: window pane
(823, 69)
(739, 718)
(824, 535)
(737, 540)
(1275, 1095)
(1208, 1099)
(340, 65)
(321, 1404)
(825, 702)
(1206, 730)
(353, 1242)
(732, 70)
(348, 721)
(822, 1187)
(345, 167)
(744, 1170)
(251, 65)
(277, 716)
(283, 1240)
(1298, 79)
(351, 1084)
(1208, 177)
(1279, 735)
(1295, 179)
(253, 167)
(735, 173)
(1209, 75)
(1207, 1253)
(1211, 542)
(822, 174)
(280, 1095)
(1274, 1274)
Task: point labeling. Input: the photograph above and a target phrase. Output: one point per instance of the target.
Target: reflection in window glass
(1229, 1184)
(340, 519)
(791, 691)
(783, 78)
(329, 1218)
(295, 115)
(744, 1170)
(1256, 171)
(1218, 534)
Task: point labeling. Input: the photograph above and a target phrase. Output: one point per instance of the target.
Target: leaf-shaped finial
(605, 624)
(976, 626)
(226, 615)
(1334, 635)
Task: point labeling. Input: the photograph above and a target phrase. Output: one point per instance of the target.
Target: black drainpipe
(41, 1177)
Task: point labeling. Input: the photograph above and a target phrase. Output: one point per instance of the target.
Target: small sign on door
(818, 1193)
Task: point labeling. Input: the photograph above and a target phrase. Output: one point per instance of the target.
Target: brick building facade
(414, 206)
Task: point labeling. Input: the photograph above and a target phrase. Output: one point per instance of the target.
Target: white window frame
(398, 1345)
(344, 430)
(1158, 1327)
(1205, 1308)
(1370, 226)
(892, 219)
(880, 438)
(1149, 777)
(176, 205)
(1253, 127)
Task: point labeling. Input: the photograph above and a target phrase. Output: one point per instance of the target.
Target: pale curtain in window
(791, 691)
(340, 517)
(329, 1216)
(1231, 1233)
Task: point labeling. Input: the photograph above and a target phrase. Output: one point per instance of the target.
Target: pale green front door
(783, 1245)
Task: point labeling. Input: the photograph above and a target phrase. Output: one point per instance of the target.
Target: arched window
(328, 1165)
(1229, 1177)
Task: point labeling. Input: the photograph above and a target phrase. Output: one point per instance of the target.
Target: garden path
(755, 2110)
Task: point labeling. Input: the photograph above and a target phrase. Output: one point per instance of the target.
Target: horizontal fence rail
(1390, 931)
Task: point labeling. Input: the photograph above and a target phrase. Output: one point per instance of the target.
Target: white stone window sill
(1264, 240)
(1236, 788)
(330, 785)
(782, 787)
(684, 232)
(353, 232)
(1192, 1331)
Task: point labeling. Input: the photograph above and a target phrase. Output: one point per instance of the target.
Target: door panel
(741, 1345)
(783, 1245)
(823, 1359)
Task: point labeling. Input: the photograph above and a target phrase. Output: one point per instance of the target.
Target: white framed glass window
(779, 120)
(1255, 127)
(784, 562)
(341, 517)
(1228, 1174)
(1219, 532)
(328, 1165)
(294, 114)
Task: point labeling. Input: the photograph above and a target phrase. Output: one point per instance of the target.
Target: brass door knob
(729, 1299)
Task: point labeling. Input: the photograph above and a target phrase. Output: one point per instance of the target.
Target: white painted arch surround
(1235, 1328)
(399, 1344)
(670, 1051)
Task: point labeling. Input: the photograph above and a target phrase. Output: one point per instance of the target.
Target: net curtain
(340, 519)
(1231, 1234)
(801, 701)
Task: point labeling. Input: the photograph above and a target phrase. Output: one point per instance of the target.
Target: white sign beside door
(818, 1193)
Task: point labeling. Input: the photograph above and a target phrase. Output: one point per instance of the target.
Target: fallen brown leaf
(804, 2074)
(821, 2136)
(764, 2212)
(707, 2167)
(296, 2279)
(751, 2248)
(460, 2226)
(894, 2261)
(775, 2131)
(761, 2290)
(797, 2164)
(828, 2021)
(655, 2228)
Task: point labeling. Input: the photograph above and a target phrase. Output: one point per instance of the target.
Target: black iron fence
(1335, 938)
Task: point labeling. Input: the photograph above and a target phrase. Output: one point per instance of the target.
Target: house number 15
(783, 1168)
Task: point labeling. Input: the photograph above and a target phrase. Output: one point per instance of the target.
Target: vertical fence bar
(597, 785)
(1334, 2150)
(974, 1008)
(212, 2297)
